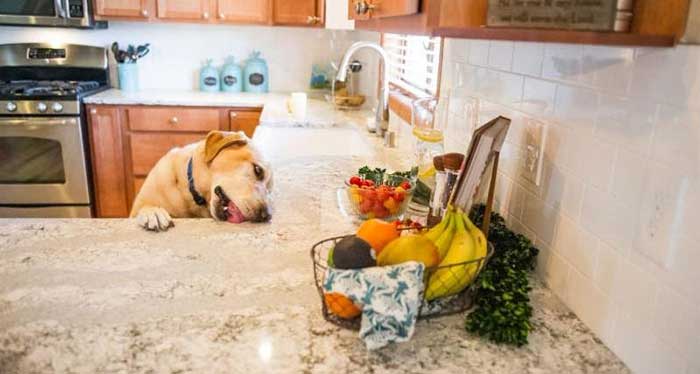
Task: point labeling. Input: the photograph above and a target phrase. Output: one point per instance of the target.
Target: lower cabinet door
(245, 121)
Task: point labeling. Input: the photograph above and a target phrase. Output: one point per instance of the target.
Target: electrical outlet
(535, 139)
(660, 215)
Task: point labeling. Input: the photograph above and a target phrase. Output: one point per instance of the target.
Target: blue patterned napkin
(390, 296)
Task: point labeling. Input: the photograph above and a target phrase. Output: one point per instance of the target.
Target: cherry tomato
(368, 183)
(406, 185)
(356, 181)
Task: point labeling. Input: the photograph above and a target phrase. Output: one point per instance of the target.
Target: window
(414, 62)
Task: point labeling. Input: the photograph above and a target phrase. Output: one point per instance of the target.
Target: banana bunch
(458, 241)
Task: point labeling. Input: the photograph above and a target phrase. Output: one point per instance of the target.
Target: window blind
(414, 62)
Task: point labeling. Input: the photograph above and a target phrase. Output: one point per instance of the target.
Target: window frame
(400, 97)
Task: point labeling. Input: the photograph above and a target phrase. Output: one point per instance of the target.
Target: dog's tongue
(234, 214)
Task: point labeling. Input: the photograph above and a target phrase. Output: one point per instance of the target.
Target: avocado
(352, 252)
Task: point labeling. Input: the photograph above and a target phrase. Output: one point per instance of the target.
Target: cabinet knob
(222, 15)
(233, 114)
(174, 121)
(144, 13)
(205, 15)
(312, 20)
(93, 111)
(363, 7)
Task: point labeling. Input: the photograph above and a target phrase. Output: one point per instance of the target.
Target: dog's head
(240, 179)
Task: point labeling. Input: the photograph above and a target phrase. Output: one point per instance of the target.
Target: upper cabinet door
(368, 9)
(122, 8)
(246, 11)
(184, 9)
(298, 12)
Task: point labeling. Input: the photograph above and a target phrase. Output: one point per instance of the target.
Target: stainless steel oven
(62, 13)
(44, 154)
(43, 162)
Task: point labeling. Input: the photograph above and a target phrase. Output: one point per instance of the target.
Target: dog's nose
(262, 215)
(218, 190)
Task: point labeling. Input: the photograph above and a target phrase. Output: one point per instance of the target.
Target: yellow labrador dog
(223, 177)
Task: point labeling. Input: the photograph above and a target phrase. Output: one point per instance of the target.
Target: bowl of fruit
(377, 194)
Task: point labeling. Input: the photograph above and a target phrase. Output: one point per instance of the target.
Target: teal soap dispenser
(256, 76)
(231, 76)
(208, 78)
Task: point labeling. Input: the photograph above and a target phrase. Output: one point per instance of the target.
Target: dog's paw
(154, 219)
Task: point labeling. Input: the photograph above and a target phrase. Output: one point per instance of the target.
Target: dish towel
(390, 297)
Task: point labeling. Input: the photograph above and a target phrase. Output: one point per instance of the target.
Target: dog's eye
(259, 172)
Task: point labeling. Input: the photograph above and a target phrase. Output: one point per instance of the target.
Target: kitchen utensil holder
(458, 303)
(128, 77)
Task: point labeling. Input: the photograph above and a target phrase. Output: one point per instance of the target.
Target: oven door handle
(37, 121)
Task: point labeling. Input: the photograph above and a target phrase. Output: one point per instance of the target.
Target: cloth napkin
(390, 296)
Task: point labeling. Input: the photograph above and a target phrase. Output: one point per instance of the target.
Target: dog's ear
(218, 140)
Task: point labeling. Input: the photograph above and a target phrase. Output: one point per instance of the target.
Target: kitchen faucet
(381, 120)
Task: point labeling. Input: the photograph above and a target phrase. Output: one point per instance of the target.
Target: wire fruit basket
(341, 311)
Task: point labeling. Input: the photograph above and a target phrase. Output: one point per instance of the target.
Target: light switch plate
(535, 141)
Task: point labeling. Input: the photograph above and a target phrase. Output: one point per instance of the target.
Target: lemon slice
(431, 136)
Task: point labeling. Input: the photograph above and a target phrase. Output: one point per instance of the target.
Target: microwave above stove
(55, 13)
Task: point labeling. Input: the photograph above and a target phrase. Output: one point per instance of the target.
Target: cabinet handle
(144, 13)
(205, 15)
(222, 15)
(233, 114)
(363, 7)
(312, 20)
(174, 121)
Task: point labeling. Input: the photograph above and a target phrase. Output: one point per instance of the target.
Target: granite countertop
(274, 107)
(105, 296)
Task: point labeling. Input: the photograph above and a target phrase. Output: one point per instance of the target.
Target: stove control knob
(57, 107)
(11, 107)
(41, 107)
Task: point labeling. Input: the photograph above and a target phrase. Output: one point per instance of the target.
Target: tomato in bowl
(388, 200)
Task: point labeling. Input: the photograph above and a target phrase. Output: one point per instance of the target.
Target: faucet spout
(382, 113)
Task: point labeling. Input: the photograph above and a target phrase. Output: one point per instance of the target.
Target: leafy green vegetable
(421, 193)
(503, 310)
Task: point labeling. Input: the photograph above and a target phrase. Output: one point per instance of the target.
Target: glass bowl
(388, 201)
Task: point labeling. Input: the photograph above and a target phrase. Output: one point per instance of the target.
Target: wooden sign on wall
(598, 15)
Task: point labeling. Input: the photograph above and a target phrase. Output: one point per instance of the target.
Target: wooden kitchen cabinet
(107, 153)
(245, 121)
(371, 9)
(123, 9)
(127, 141)
(298, 12)
(243, 11)
(183, 9)
(655, 23)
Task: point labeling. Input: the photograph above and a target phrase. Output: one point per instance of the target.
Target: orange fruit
(341, 305)
(378, 233)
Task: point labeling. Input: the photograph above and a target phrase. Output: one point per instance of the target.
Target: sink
(279, 143)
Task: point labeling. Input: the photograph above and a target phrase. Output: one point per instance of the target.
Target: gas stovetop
(29, 97)
(29, 89)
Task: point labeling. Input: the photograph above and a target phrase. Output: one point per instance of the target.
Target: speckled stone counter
(103, 296)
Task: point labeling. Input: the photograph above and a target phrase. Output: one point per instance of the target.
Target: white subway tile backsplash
(527, 58)
(605, 217)
(538, 96)
(619, 205)
(576, 106)
(501, 55)
(577, 246)
(677, 322)
(562, 62)
(479, 52)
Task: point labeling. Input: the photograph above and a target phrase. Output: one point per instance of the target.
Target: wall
(179, 50)
(616, 215)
